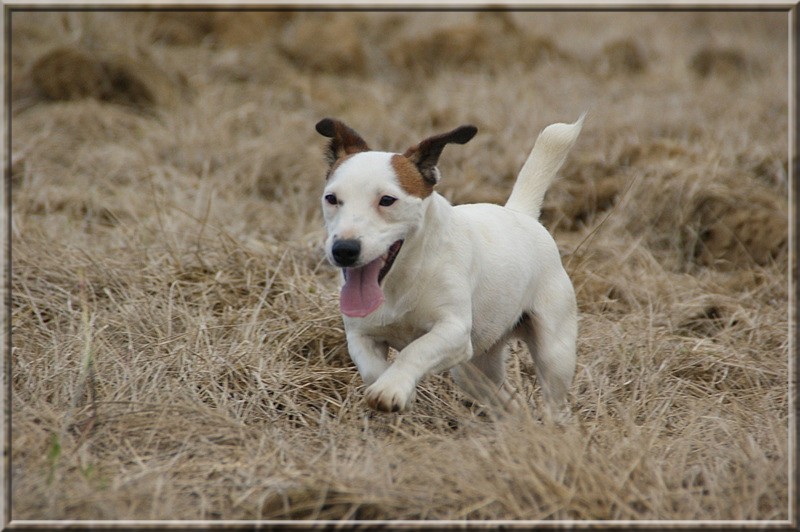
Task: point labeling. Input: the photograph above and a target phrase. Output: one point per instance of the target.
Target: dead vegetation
(177, 351)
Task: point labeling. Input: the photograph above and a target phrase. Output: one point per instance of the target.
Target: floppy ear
(426, 154)
(344, 141)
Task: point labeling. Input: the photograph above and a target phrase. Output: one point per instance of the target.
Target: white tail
(546, 157)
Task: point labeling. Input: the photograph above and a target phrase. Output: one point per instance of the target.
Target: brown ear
(426, 154)
(344, 141)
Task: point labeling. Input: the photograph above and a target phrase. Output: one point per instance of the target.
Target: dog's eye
(385, 201)
(331, 198)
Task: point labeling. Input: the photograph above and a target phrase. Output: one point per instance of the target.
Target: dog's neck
(423, 242)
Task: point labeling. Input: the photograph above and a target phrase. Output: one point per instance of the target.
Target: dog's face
(368, 216)
(372, 203)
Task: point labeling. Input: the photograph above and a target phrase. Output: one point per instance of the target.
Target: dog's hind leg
(551, 341)
(483, 376)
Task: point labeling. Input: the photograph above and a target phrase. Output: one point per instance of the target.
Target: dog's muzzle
(361, 292)
(346, 252)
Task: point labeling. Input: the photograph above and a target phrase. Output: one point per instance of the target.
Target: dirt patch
(707, 316)
(578, 203)
(736, 230)
(490, 42)
(187, 28)
(724, 62)
(621, 57)
(70, 73)
(333, 47)
(719, 210)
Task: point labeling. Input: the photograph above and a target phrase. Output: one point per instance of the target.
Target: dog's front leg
(368, 355)
(447, 343)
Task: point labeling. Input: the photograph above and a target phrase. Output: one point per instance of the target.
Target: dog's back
(539, 170)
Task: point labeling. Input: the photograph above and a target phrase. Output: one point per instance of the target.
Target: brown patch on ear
(426, 154)
(409, 177)
(344, 140)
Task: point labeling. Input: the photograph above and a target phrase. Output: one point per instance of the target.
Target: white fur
(539, 170)
(462, 280)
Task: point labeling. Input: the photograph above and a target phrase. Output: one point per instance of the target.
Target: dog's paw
(391, 395)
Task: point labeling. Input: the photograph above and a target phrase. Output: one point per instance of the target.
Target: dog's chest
(397, 334)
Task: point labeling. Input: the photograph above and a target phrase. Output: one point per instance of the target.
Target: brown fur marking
(410, 178)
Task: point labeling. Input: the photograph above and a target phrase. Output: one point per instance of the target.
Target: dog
(446, 286)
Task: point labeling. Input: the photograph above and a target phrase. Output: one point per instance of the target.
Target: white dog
(446, 286)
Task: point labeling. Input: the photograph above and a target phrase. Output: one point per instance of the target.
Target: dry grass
(177, 347)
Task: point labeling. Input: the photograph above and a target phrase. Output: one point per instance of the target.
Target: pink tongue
(361, 294)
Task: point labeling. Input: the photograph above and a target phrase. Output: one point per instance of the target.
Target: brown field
(177, 349)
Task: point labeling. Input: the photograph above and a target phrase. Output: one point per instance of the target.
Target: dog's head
(373, 201)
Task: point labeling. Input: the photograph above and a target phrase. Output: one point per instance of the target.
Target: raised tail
(538, 172)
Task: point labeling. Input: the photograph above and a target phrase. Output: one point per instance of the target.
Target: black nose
(346, 252)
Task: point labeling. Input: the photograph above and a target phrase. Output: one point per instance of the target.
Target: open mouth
(394, 249)
(387, 258)
(362, 293)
